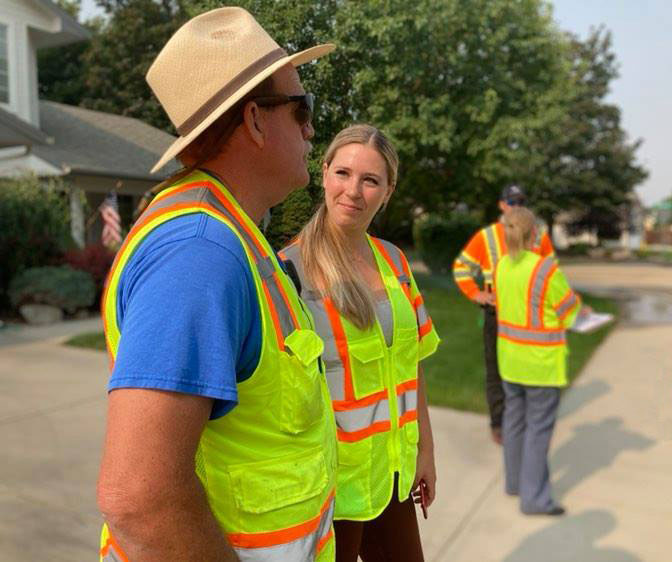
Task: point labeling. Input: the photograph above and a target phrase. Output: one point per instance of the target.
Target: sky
(642, 42)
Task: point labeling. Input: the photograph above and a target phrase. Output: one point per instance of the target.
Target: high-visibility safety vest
(534, 307)
(483, 251)
(374, 388)
(268, 466)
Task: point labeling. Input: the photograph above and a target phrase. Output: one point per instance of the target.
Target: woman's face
(355, 186)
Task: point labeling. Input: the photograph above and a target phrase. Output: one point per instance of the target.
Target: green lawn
(455, 374)
(90, 340)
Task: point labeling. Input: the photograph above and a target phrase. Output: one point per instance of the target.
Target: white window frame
(10, 104)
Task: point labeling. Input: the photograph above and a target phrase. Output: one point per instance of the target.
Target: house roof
(97, 143)
(15, 131)
(67, 30)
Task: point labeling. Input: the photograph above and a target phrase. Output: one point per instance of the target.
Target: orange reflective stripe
(281, 536)
(342, 347)
(406, 386)
(409, 416)
(110, 543)
(224, 201)
(544, 290)
(351, 436)
(274, 316)
(530, 288)
(345, 405)
(425, 328)
(324, 540)
(390, 262)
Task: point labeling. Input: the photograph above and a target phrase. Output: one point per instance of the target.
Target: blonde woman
(368, 310)
(535, 305)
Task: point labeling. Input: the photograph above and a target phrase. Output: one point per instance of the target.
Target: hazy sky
(642, 42)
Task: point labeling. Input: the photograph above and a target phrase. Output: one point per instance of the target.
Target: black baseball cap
(513, 195)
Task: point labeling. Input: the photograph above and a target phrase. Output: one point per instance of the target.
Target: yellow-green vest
(534, 307)
(268, 466)
(374, 388)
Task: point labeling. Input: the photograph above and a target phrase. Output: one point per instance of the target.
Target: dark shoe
(555, 511)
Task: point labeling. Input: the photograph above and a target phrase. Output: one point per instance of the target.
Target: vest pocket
(300, 394)
(268, 486)
(406, 354)
(367, 366)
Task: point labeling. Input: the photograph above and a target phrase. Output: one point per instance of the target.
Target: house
(93, 152)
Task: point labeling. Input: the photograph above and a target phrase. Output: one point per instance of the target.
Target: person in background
(371, 316)
(220, 440)
(535, 305)
(479, 258)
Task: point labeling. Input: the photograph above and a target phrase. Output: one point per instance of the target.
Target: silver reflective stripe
(421, 314)
(465, 259)
(537, 288)
(531, 336)
(332, 360)
(303, 549)
(487, 276)
(110, 556)
(265, 264)
(462, 275)
(491, 240)
(565, 307)
(407, 401)
(361, 418)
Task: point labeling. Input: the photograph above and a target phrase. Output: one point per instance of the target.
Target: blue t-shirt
(188, 313)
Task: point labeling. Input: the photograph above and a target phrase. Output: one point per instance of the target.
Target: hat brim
(296, 59)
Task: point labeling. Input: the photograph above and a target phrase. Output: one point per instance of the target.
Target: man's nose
(308, 131)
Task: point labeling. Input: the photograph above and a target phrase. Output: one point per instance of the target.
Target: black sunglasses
(303, 112)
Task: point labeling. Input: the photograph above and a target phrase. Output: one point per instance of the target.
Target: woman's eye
(374, 181)
(341, 172)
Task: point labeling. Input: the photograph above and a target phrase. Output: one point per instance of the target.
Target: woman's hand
(425, 470)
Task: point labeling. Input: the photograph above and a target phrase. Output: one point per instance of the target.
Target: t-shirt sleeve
(187, 319)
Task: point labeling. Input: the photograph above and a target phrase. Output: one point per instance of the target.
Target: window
(4, 65)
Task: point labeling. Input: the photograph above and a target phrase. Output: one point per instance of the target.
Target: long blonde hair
(519, 224)
(325, 262)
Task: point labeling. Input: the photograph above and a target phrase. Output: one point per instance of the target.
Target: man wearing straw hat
(220, 440)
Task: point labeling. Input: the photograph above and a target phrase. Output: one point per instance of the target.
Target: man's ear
(254, 123)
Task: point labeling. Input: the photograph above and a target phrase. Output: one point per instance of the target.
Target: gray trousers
(529, 417)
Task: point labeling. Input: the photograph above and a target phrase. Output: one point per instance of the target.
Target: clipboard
(591, 322)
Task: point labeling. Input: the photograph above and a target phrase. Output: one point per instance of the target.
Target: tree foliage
(474, 95)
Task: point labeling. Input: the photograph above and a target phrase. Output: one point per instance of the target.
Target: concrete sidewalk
(611, 463)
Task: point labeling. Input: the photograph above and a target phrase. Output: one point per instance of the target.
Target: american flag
(109, 211)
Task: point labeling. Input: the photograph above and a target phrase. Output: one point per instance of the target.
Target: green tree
(584, 161)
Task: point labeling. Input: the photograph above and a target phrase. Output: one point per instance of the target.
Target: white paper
(594, 320)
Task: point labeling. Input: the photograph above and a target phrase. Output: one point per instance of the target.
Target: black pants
(392, 536)
(494, 392)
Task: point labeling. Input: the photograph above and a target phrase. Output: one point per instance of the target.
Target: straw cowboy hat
(209, 64)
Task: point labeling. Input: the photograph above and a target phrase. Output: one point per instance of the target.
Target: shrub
(63, 287)
(578, 249)
(438, 240)
(95, 259)
(35, 230)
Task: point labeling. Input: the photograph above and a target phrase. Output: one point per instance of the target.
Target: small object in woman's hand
(420, 496)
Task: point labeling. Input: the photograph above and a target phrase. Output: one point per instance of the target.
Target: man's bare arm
(148, 490)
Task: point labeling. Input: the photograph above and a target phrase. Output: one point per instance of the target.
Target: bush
(95, 259)
(35, 227)
(578, 249)
(438, 240)
(63, 287)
